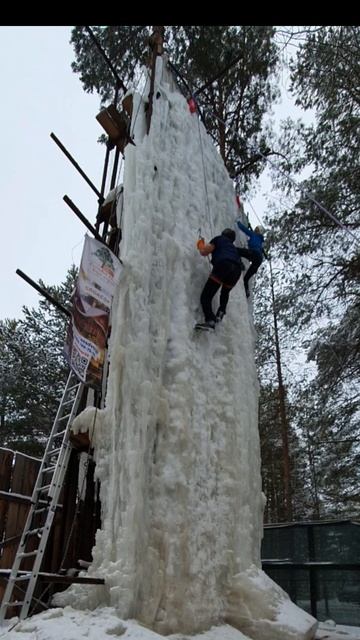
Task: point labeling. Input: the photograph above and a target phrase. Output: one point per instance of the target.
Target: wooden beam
(108, 124)
(116, 125)
(118, 117)
(127, 104)
(58, 578)
(14, 497)
(80, 441)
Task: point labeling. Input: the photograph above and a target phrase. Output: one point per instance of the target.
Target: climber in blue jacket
(254, 253)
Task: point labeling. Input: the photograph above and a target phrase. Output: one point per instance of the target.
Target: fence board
(23, 477)
(6, 461)
(67, 542)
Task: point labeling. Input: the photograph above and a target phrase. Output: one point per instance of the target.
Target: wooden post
(282, 411)
(156, 42)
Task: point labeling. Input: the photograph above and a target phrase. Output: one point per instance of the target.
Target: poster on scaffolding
(87, 333)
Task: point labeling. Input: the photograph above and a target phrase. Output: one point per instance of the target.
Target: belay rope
(207, 204)
(195, 108)
(205, 186)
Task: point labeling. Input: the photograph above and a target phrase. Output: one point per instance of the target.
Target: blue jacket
(255, 241)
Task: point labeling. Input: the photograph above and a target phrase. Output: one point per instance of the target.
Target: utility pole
(282, 410)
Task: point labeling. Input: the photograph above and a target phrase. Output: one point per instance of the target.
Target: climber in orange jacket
(226, 272)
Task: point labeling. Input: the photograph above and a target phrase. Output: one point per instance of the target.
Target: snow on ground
(330, 631)
(103, 623)
(99, 624)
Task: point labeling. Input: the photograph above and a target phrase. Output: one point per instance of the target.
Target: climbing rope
(258, 217)
(191, 96)
(205, 182)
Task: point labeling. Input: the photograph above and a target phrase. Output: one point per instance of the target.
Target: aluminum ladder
(44, 501)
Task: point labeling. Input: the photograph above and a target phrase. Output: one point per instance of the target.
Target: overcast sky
(40, 94)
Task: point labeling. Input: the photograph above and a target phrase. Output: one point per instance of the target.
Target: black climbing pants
(255, 258)
(225, 275)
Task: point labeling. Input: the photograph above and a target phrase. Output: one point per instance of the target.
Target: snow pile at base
(103, 624)
(99, 624)
(177, 445)
(262, 609)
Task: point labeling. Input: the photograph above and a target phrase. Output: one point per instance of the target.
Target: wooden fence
(76, 521)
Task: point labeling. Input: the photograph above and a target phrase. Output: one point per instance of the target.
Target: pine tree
(319, 246)
(33, 371)
(232, 68)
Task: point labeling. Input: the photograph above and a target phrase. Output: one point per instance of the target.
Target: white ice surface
(177, 444)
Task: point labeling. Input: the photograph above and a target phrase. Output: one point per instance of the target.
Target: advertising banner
(87, 334)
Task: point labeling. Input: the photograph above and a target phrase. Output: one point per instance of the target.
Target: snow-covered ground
(330, 631)
(103, 623)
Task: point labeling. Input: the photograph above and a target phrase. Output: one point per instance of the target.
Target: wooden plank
(23, 476)
(118, 117)
(25, 470)
(108, 124)
(6, 463)
(70, 521)
(59, 578)
(14, 497)
(9, 541)
(121, 122)
(127, 104)
(70, 579)
(15, 492)
(25, 473)
(47, 578)
(80, 441)
(6, 460)
(58, 543)
(115, 125)
(89, 516)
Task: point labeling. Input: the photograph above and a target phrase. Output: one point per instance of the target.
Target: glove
(200, 243)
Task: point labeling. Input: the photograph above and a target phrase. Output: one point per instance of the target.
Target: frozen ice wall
(177, 445)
